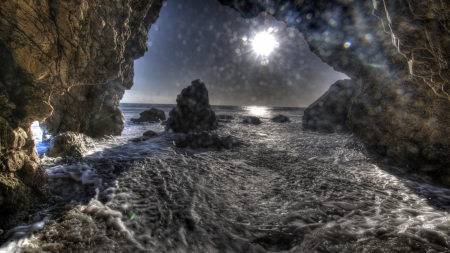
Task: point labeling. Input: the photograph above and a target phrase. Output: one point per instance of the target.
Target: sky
(201, 39)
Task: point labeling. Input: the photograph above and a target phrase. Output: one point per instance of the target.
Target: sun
(264, 43)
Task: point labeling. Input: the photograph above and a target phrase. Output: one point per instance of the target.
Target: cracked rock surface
(67, 60)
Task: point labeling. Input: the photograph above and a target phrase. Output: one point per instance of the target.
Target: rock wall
(50, 50)
(420, 31)
(89, 109)
(395, 51)
(329, 113)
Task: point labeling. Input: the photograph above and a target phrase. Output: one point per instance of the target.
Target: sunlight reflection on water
(258, 110)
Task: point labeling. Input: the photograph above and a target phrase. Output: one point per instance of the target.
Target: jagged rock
(150, 134)
(420, 33)
(69, 144)
(251, 120)
(280, 119)
(193, 112)
(22, 180)
(152, 115)
(329, 112)
(46, 49)
(93, 118)
(206, 140)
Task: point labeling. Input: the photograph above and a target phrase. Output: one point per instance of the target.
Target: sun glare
(257, 110)
(264, 43)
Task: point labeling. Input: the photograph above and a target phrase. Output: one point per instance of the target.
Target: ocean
(285, 189)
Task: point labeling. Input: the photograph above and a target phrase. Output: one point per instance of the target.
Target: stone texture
(193, 112)
(329, 113)
(399, 60)
(420, 31)
(69, 144)
(73, 58)
(152, 115)
(21, 178)
(92, 110)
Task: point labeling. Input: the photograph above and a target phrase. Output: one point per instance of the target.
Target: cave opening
(235, 163)
(207, 40)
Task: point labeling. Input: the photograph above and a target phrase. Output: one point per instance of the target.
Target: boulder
(329, 112)
(193, 112)
(206, 140)
(150, 134)
(251, 120)
(280, 119)
(140, 139)
(152, 115)
(69, 144)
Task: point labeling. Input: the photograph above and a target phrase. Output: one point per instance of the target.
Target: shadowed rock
(206, 140)
(69, 144)
(401, 110)
(280, 119)
(152, 115)
(150, 134)
(329, 112)
(63, 46)
(145, 136)
(193, 112)
(251, 120)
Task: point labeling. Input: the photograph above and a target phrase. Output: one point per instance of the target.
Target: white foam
(78, 172)
(18, 237)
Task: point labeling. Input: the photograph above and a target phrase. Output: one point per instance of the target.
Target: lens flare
(264, 43)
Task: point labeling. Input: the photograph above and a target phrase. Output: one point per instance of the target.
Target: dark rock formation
(402, 109)
(48, 47)
(329, 112)
(150, 134)
(140, 139)
(420, 32)
(280, 119)
(21, 178)
(206, 140)
(193, 112)
(68, 144)
(152, 115)
(251, 120)
(145, 136)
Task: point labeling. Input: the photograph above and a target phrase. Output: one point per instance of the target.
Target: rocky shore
(69, 63)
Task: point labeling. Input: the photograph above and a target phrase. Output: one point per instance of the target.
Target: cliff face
(398, 54)
(420, 31)
(329, 112)
(46, 48)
